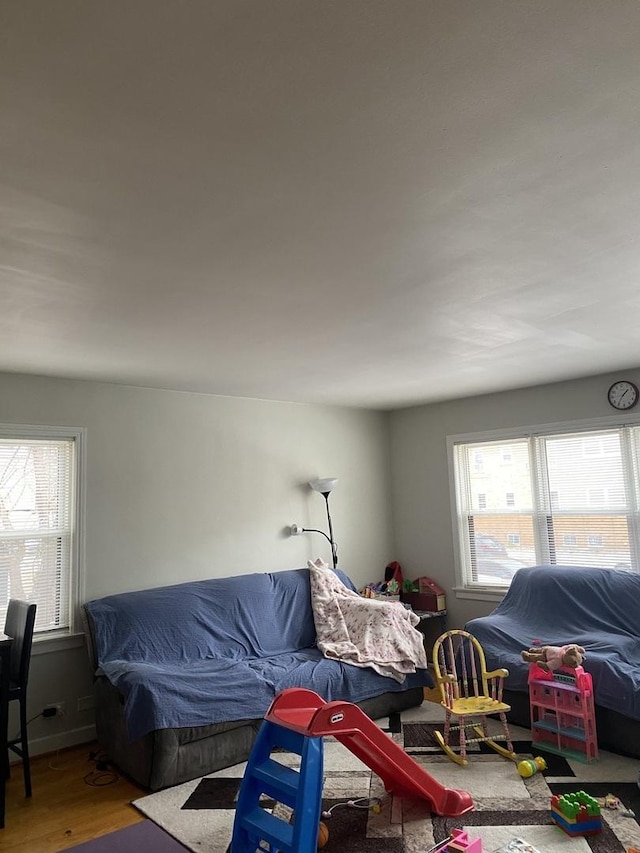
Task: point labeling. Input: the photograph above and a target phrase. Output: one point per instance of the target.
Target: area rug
(200, 813)
(143, 837)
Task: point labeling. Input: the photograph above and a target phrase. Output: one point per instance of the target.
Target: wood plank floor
(71, 803)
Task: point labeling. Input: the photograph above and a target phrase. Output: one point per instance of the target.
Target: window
(578, 502)
(40, 534)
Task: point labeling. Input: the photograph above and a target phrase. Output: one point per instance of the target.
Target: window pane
(500, 483)
(581, 479)
(592, 540)
(500, 545)
(590, 514)
(495, 499)
(36, 527)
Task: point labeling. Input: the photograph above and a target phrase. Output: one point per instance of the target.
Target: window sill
(56, 643)
(486, 593)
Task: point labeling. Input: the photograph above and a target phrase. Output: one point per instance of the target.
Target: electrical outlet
(56, 710)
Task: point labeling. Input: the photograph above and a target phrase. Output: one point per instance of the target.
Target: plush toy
(553, 657)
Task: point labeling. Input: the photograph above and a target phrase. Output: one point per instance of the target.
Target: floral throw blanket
(364, 631)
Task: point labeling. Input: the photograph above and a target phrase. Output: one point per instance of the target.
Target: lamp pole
(334, 546)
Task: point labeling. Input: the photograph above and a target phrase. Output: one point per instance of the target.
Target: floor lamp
(324, 487)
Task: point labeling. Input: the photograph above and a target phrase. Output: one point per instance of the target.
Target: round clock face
(623, 394)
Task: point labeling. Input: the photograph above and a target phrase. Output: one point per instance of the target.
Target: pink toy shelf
(562, 712)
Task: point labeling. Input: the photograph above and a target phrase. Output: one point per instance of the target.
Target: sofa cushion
(209, 692)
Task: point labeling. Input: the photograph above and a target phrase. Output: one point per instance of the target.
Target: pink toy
(562, 712)
(550, 658)
(461, 843)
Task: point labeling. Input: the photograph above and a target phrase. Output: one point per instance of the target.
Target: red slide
(306, 712)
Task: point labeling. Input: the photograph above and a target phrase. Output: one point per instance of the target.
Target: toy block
(576, 814)
(461, 843)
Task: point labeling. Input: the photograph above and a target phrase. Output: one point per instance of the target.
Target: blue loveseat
(596, 608)
(185, 673)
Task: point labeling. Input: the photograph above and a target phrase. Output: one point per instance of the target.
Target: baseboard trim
(60, 740)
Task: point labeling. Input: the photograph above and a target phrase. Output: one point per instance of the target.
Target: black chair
(21, 617)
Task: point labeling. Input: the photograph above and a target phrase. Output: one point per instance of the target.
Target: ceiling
(350, 202)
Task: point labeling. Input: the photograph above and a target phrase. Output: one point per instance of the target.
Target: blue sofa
(185, 673)
(596, 608)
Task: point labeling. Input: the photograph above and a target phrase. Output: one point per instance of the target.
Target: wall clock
(623, 394)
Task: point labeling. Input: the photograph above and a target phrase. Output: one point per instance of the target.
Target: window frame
(63, 637)
(493, 592)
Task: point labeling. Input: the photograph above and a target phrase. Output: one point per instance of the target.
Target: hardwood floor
(66, 808)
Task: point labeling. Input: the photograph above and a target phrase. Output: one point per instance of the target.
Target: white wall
(420, 476)
(185, 486)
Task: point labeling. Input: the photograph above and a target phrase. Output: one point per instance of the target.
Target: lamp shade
(324, 486)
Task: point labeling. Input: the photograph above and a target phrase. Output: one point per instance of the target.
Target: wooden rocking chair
(468, 691)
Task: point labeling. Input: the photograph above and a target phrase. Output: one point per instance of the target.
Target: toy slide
(308, 714)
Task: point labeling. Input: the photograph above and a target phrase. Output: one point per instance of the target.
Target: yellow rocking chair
(468, 691)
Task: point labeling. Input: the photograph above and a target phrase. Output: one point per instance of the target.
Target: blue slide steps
(301, 790)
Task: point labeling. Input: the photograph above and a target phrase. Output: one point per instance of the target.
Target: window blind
(36, 527)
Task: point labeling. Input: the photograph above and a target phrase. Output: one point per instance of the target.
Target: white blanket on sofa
(364, 631)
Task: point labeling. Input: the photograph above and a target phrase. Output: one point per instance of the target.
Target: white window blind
(565, 499)
(37, 527)
(587, 472)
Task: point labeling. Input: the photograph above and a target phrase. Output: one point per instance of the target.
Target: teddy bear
(549, 658)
